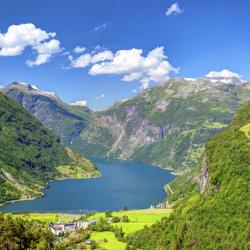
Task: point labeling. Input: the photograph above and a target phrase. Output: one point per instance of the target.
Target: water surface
(122, 183)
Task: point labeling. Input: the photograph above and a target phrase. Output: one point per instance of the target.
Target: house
(82, 224)
(56, 228)
(71, 226)
(88, 242)
(110, 220)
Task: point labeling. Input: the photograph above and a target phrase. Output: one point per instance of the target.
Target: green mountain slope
(63, 120)
(166, 125)
(211, 208)
(30, 155)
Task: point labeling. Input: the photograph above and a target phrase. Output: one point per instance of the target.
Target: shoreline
(99, 174)
(170, 170)
(45, 187)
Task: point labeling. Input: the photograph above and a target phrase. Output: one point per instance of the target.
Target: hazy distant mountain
(166, 125)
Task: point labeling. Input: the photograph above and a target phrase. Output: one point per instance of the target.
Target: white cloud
(134, 66)
(40, 59)
(79, 50)
(225, 73)
(100, 96)
(98, 48)
(81, 62)
(86, 59)
(134, 91)
(45, 51)
(102, 26)
(174, 9)
(51, 47)
(19, 37)
(131, 64)
(79, 103)
(102, 56)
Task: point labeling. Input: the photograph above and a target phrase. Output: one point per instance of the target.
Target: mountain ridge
(166, 125)
(211, 202)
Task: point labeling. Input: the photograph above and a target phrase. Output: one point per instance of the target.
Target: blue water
(122, 183)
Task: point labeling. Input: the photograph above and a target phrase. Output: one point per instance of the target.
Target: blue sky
(136, 38)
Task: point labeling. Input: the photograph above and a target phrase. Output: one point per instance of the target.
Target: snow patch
(190, 79)
(79, 103)
(34, 87)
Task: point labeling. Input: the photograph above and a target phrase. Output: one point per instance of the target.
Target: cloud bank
(225, 73)
(19, 37)
(131, 64)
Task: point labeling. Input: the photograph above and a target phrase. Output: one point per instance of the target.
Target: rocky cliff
(166, 125)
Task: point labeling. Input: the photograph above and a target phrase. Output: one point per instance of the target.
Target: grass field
(47, 217)
(111, 242)
(138, 219)
(246, 130)
(138, 216)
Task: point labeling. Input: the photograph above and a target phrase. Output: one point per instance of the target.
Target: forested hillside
(166, 125)
(211, 204)
(30, 155)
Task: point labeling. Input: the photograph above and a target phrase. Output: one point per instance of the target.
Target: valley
(124, 125)
(166, 125)
(192, 129)
(120, 184)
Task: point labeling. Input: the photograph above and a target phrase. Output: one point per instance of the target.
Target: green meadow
(138, 219)
(46, 217)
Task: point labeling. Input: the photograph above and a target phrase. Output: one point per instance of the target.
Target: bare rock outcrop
(203, 177)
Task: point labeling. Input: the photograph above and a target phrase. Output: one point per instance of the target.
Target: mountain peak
(23, 86)
(227, 80)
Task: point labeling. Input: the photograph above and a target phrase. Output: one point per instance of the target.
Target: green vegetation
(105, 234)
(246, 130)
(45, 217)
(107, 240)
(218, 217)
(177, 117)
(18, 234)
(124, 223)
(30, 154)
(171, 121)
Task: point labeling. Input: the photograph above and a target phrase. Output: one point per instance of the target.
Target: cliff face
(166, 125)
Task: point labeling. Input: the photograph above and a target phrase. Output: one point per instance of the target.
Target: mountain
(211, 203)
(30, 155)
(166, 125)
(64, 120)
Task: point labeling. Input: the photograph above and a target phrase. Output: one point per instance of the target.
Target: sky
(96, 52)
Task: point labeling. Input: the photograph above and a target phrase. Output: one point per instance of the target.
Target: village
(61, 228)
